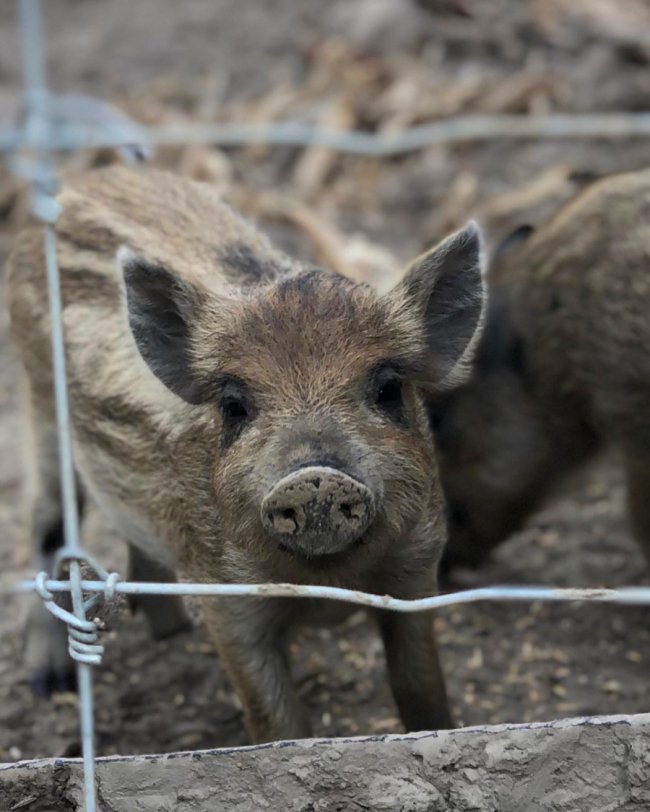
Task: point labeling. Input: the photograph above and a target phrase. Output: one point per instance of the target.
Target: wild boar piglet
(245, 417)
(562, 369)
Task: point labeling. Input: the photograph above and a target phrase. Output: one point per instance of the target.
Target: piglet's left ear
(443, 293)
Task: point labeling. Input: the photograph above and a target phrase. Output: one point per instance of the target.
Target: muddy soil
(384, 63)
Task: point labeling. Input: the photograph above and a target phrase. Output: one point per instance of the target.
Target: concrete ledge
(574, 765)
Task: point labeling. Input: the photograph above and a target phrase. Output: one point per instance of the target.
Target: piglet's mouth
(323, 560)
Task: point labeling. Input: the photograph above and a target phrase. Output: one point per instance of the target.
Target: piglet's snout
(317, 510)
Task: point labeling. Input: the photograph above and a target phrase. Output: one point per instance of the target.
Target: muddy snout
(317, 511)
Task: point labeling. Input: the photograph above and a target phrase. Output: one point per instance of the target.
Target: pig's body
(563, 369)
(242, 457)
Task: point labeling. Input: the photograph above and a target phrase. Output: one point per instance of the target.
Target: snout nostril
(353, 510)
(284, 520)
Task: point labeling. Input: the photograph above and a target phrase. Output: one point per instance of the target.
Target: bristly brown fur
(173, 306)
(563, 368)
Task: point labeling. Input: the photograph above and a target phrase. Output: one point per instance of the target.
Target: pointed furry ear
(162, 309)
(511, 242)
(444, 289)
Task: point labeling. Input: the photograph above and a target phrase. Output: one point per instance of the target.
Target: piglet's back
(172, 221)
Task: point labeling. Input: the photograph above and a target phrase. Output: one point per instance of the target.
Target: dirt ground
(378, 65)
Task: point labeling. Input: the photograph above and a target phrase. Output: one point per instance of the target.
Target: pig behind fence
(563, 367)
(246, 418)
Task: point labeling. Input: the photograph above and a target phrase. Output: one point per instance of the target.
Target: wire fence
(54, 123)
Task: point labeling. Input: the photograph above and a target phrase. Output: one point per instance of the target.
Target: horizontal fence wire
(52, 124)
(73, 135)
(633, 595)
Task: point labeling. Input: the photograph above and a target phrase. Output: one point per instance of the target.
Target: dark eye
(388, 395)
(234, 409)
(237, 410)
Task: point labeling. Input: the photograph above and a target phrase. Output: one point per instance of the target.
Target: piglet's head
(321, 450)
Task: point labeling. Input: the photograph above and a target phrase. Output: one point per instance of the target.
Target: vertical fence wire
(71, 546)
(38, 125)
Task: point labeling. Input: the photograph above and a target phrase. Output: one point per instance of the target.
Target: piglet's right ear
(162, 309)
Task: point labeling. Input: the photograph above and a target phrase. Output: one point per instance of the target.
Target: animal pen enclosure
(556, 765)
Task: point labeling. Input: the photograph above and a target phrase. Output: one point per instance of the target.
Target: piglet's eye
(235, 409)
(388, 395)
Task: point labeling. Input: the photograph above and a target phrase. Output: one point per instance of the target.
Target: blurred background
(378, 66)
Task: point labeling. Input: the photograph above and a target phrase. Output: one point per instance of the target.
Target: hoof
(46, 682)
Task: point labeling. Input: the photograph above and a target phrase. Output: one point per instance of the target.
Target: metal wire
(82, 638)
(63, 123)
(71, 134)
(631, 595)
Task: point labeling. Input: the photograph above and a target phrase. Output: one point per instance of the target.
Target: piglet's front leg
(248, 639)
(416, 677)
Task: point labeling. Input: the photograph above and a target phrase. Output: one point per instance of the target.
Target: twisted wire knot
(83, 634)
